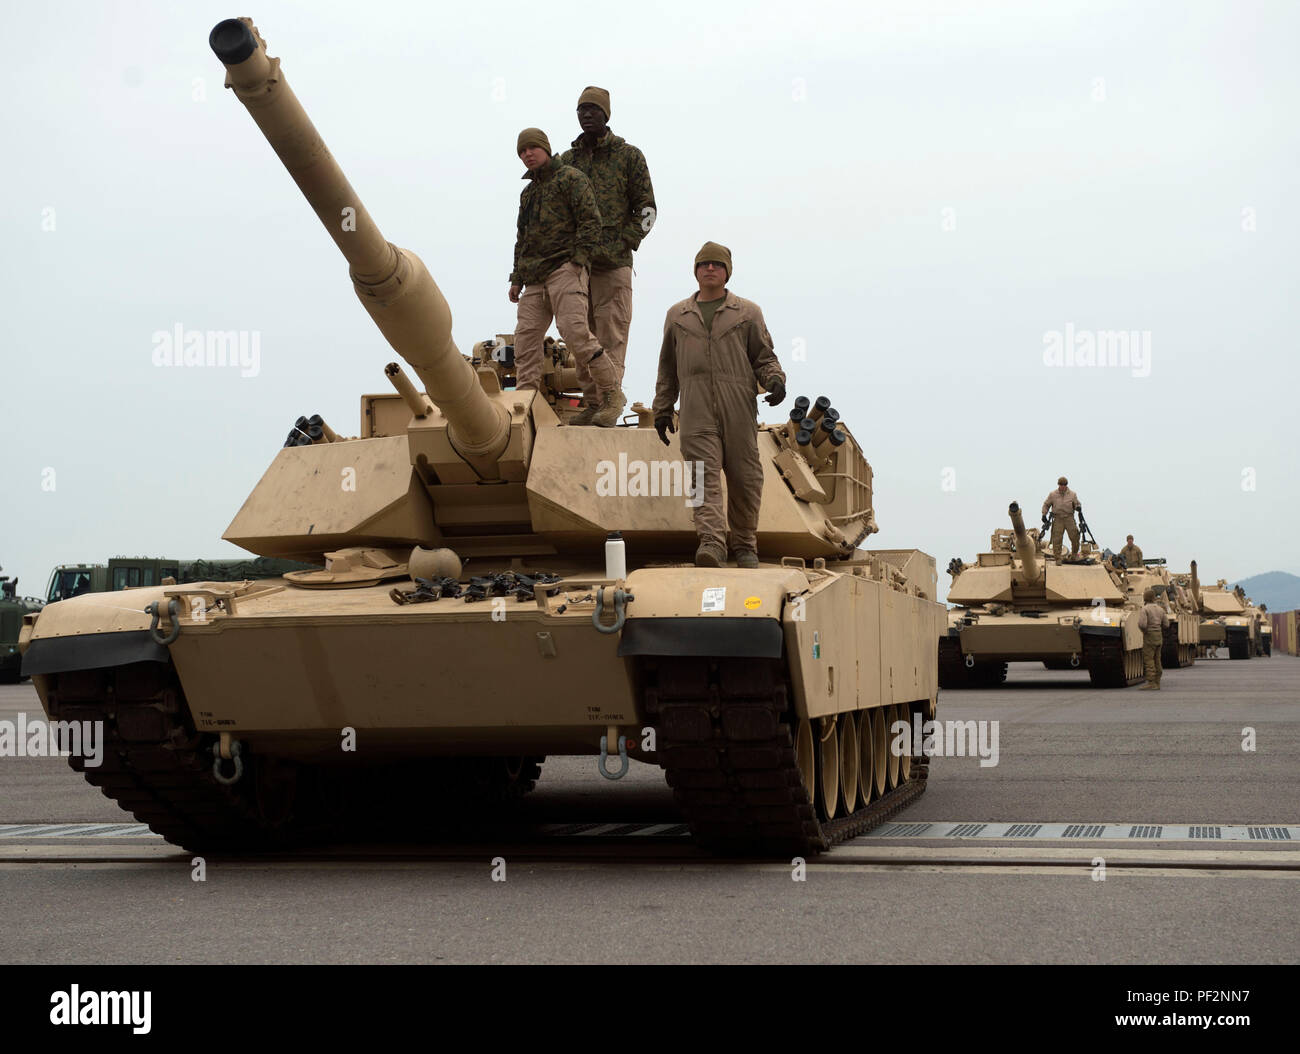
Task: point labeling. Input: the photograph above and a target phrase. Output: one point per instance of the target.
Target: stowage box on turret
(473, 613)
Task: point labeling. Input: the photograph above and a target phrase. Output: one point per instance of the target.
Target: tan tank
(1016, 603)
(1224, 617)
(475, 613)
(1183, 632)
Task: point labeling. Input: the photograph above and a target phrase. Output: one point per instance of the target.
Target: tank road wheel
(806, 757)
(902, 712)
(828, 765)
(881, 741)
(866, 758)
(849, 762)
(891, 756)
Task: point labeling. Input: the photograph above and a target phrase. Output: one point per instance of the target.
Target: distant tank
(477, 609)
(1224, 619)
(1182, 634)
(1016, 603)
(12, 610)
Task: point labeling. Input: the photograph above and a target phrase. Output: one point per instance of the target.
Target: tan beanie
(597, 95)
(1149, 595)
(533, 137)
(715, 253)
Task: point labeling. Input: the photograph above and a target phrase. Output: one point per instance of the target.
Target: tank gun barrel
(1196, 587)
(1024, 544)
(393, 284)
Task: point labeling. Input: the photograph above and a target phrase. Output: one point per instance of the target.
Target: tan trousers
(733, 450)
(562, 297)
(1060, 524)
(609, 315)
(1152, 642)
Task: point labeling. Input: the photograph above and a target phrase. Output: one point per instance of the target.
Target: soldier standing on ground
(558, 234)
(1063, 502)
(716, 346)
(626, 199)
(1132, 554)
(1152, 620)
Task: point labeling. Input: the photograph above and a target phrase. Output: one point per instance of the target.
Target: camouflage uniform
(558, 234)
(714, 369)
(1152, 620)
(1132, 556)
(621, 180)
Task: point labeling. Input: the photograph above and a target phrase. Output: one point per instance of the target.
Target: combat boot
(611, 405)
(1149, 688)
(747, 558)
(710, 555)
(584, 416)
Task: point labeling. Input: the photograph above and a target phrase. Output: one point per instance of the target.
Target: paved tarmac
(1066, 754)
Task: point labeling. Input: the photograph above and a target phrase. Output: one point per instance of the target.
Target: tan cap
(597, 95)
(1062, 481)
(533, 137)
(712, 252)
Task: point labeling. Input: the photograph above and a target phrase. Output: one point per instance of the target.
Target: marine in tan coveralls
(558, 233)
(1132, 554)
(1063, 502)
(716, 346)
(1152, 620)
(626, 199)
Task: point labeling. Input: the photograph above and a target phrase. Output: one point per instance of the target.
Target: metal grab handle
(622, 753)
(152, 609)
(620, 613)
(216, 764)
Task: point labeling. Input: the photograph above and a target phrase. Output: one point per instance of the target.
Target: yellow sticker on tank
(753, 602)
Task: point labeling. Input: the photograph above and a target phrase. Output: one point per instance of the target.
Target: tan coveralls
(1063, 506)
(1152, 620)
(715, 370)
(1132, 556)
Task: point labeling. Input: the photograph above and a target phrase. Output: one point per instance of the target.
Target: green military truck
(12, 609)
(130, 572)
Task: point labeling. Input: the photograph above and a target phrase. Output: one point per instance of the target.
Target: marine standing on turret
(626, 199)
(558, 235)
(1063, 502)
(715, 347)
(1132, 554)
(1152, 620)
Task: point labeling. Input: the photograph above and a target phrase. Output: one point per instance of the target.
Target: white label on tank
(715, 599)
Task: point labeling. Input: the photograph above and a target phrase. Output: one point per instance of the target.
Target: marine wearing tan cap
(1152, 620)
(1063, 503)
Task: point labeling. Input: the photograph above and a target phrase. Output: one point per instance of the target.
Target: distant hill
(1278, 589)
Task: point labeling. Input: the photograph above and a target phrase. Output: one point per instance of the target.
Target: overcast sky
(927, 200)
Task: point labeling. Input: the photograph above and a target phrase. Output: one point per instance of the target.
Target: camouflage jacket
(626, 198)
(558, 222)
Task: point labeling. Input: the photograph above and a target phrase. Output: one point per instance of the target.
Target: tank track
(159, 769)
(725, 741)
(1174, 655)
(954, 673)
(1106, 661)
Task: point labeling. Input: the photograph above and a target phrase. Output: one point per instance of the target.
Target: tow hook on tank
(172, 615)
(229, 750)
(621, 599)
(970, 661)
(1074, 661)
(610, 741)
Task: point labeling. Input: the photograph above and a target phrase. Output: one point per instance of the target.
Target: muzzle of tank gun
(1024, 544)
(393, 284)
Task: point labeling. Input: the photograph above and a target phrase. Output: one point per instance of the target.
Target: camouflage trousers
(561, 296)
(609, 315)
(1151, 645)
(1061, 524)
